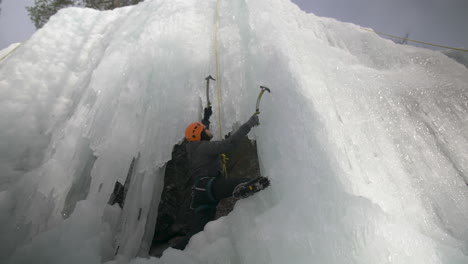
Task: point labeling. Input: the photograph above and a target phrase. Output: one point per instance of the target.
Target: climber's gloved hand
(207, 113)
(253, 121)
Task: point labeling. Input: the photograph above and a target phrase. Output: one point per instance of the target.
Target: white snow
(8, 50)
(460, 56)
(364, 140)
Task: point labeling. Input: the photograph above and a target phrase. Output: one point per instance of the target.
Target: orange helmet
(193, 131)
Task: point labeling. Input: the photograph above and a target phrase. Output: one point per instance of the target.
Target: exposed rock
(174, 213)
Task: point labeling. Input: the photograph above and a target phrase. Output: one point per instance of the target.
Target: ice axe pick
(207, 89)
(263, 88)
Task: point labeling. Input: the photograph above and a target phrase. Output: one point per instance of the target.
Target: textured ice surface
(364, 140)
(459, 56)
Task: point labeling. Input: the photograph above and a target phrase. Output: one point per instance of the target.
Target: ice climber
(205, 166)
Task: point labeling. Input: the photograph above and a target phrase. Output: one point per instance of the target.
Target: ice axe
(263, 88)
(207, 89)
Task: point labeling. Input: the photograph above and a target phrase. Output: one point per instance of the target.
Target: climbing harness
(426, 43)
(202, 194)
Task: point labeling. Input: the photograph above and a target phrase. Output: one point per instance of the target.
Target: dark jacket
(204, 156)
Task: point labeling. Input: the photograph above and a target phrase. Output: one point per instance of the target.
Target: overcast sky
(15, 25)
(443, 22)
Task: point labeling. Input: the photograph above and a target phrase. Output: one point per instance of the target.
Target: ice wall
(459, 56)
(364, 140)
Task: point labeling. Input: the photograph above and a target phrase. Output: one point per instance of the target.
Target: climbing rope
(218, 80)
(224, 157)
(426, 43)
(11, 51)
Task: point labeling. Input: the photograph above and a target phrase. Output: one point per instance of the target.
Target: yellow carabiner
(224, 159)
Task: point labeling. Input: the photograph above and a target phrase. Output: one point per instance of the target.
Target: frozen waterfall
(365, 141)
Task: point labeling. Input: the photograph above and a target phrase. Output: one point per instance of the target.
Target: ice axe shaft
(263, 88)
(207, 89)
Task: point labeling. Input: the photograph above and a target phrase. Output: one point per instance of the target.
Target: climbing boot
(247, 189)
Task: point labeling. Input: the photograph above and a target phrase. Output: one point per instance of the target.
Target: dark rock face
(242, 163)
(174, 213)
(174, 207)
(82, 178)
